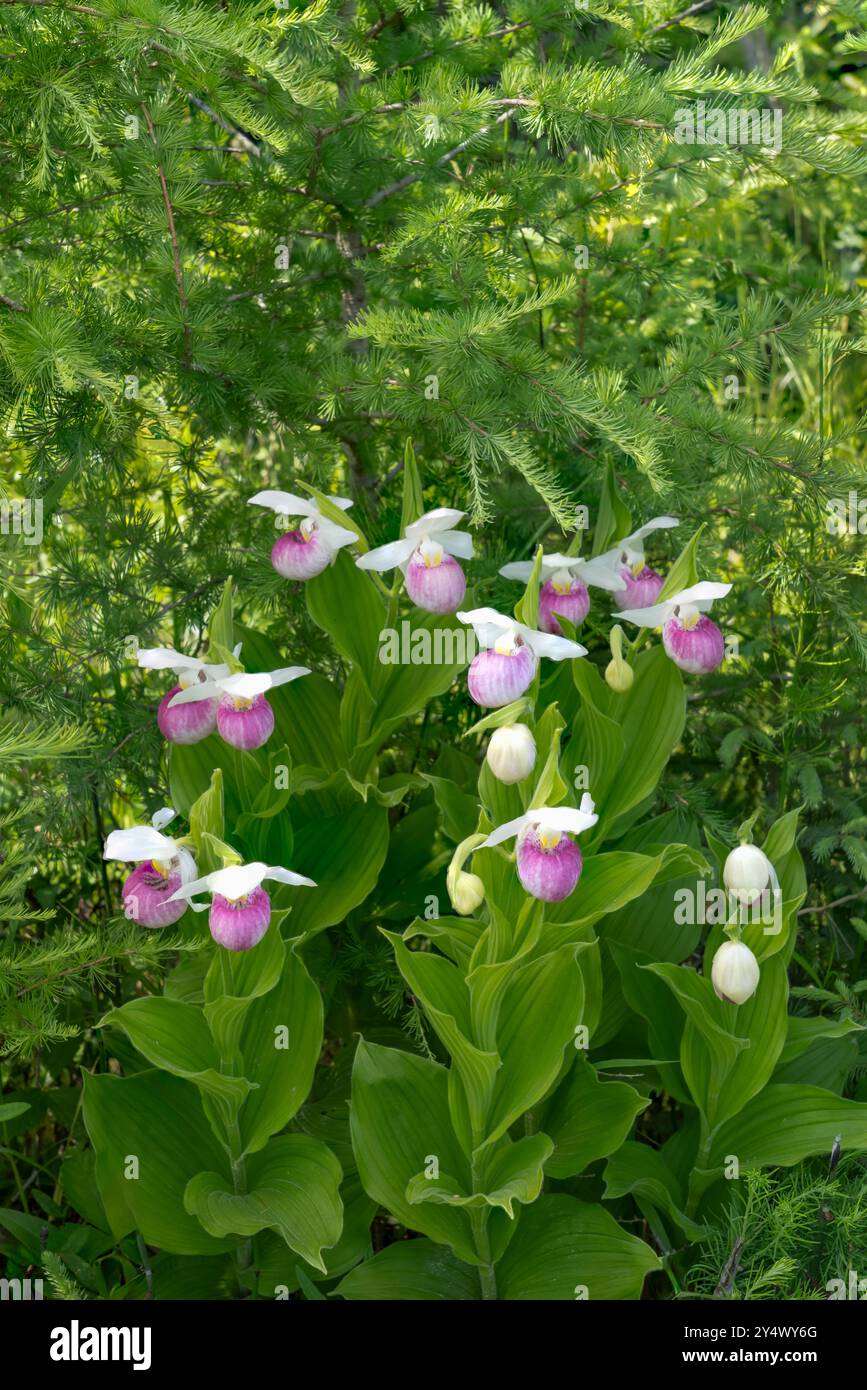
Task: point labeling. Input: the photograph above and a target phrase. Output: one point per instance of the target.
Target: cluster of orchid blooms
(225, 699)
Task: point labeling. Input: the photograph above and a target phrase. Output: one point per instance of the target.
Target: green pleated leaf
(417, 1270)
(564, 1249)
(175, 1037)
(400, 1121)
(587, 1119)
(643, 1172)
(292, 1188)
(150, 1137)
(343, 855)
(514, 1174)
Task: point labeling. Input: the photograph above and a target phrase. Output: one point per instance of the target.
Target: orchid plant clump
(525, 890)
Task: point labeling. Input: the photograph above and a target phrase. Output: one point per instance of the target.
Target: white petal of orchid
(137, 843)
(595, 571)
(700, 596)
(344, 503)
(659, 523)
(161, 818)
(202, 690)
(440, 519)
(166, 659)
(285, 503)
(547, 644)
(565, 819)
(336, 536)
(387, 557)
(239, 880)
(246, 685)
(459, 543)
(488, 624)
(287, 876)
(288, 673)
(519, 569)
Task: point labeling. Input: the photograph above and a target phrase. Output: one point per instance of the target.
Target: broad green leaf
(150, 1136)
(416, 1270)
(413, 503)
(400, 1120)
(683, 573)
(343, 601)
(587, 1119)
(343, 855)
(784, 1124)
(527, 607)
(564, 1247)
(638, 1170)
(174, 1036)
(220, 627)
(11, 1110)
(708, 1049)
(614, 519)
(514, 1174)
(280, 1045)
(292, 1188)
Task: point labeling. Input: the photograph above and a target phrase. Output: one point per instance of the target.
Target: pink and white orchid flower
(690, 638)
(641, 584)
(306, 552)
(564, 586)
(503, 671)
(244, 717)
(164, 865)
(434, 579)
(197, 722)
(549, 861)
(240, 909)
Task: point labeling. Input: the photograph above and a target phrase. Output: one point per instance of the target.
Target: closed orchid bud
(734, 973)
(618, 673)
(511, 753)
(467, 892)
(747, 873)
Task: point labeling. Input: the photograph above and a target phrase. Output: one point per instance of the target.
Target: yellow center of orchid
(162, 867)
(549, 839)
(562, 582)
(431, 553)
(690, 620)
(239, 702)
(308, 526)
(506, 645)
(637, 568)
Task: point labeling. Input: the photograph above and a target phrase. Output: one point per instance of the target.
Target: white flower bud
(619, 675)
(511, 753)
(735, 972)
(467, 892)
(747, 873)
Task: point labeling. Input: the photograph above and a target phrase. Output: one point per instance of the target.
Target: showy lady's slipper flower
(192, 723)
(304, 553)
(735, 972)
(240, 909)
(641, 584)
(747, 873)
(244, 717)
(690, 638)
(564, 587)
(549, 861)
(434, 579)
(163, 867)
(511, 753)
(503, 671)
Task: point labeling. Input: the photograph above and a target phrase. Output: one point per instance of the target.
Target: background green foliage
(242, 246)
